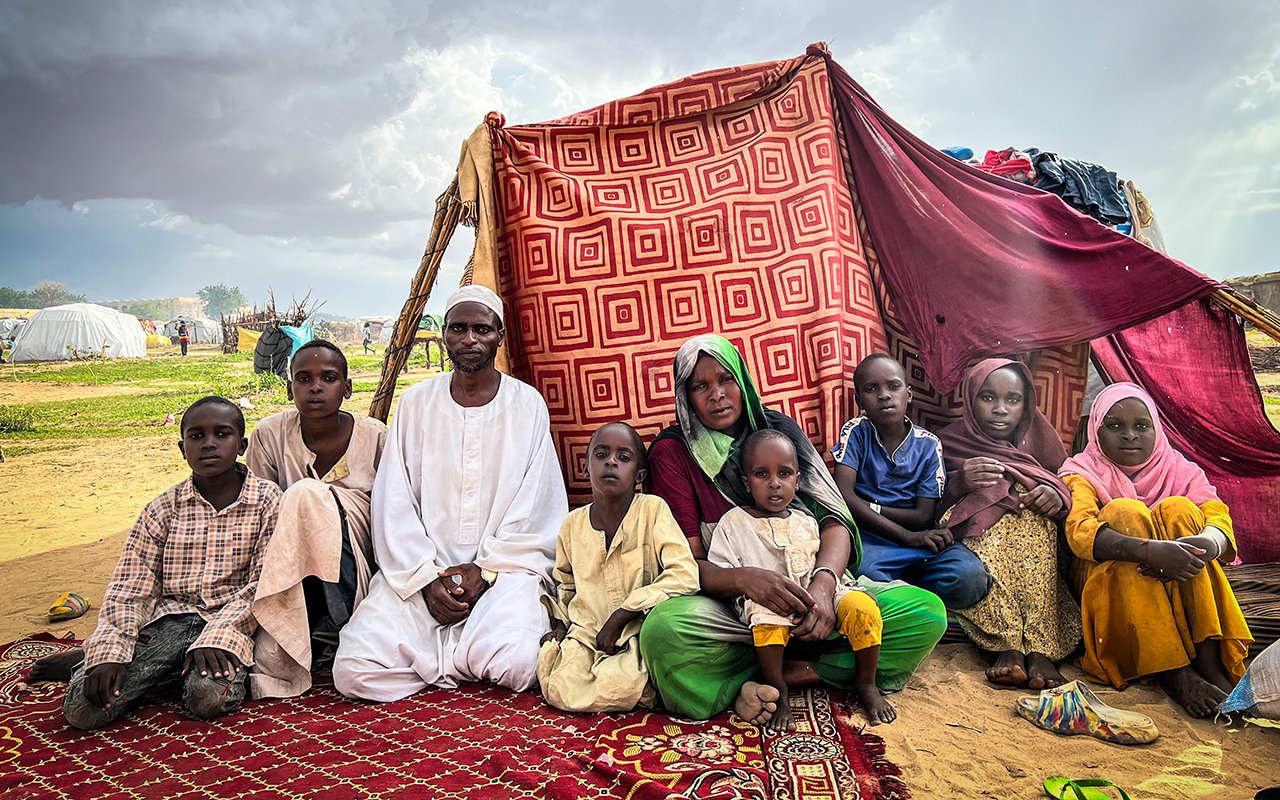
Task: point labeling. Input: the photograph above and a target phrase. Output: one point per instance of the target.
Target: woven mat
(1257, 588)
(476, 742)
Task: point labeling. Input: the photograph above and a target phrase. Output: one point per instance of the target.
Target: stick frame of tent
(447, 216)
(1258, 316)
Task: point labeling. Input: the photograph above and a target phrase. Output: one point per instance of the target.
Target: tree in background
(53, 293)
(148, 309)
(16, 298)
(221, 299)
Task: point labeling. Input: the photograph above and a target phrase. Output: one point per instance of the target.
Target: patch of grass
(188, 372)
(17, 419)
(372, 386)
(128, 415)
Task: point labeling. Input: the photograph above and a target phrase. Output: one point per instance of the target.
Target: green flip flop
(1083, 789)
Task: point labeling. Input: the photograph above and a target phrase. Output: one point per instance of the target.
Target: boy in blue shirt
(891, 475)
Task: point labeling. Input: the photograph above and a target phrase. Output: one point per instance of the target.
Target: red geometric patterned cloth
(717, 203)
(476, 742)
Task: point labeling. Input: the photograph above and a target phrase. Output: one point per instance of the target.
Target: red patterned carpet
(479, 742)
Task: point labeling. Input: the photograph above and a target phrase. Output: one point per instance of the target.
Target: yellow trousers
(857, 617)
(1135, 625)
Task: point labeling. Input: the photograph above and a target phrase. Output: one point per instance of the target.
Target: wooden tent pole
(448, 213)
(1261, 318)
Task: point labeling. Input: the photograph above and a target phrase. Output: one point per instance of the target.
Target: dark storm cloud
(316, 136)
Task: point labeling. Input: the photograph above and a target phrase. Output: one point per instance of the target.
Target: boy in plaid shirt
(179, 598)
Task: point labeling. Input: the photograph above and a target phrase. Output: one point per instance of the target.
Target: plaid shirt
(183, 557)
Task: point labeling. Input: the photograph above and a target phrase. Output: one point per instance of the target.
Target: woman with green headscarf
(698, 651)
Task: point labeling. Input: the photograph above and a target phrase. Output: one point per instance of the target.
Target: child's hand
(607, 638)
(558, 632)
(103, 683)
(935, 541)
(1211, 547)
(1043, 500)
(979, 472)
(211, 662)
(1171, 561)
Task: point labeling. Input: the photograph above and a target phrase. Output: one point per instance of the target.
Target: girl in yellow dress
(1151, 532)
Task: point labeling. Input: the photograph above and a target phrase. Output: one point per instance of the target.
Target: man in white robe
(467, 503)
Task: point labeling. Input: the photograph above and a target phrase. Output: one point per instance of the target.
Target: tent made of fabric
(79, 330)
(10, 326)
(298, 335)
(247, 339)
(778, 205)
(202, 330)
(272, 351)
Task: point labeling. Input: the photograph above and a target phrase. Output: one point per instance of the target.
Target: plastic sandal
(69, 605)
(1067, 789)
(1072, 709)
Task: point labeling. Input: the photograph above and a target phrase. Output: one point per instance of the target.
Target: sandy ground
(64, 515)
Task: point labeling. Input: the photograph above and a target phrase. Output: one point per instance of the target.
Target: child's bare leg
(877, 707)
(1042, 673)
(799, 674)
(1008, 669)
(1208, 664)
(770, 657)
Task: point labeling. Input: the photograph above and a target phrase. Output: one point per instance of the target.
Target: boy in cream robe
(615, 559)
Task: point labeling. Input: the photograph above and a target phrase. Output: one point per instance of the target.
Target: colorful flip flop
(1067, 789)
(69, 605)
(1072, 709)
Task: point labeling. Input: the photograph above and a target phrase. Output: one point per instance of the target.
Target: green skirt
(699, 653)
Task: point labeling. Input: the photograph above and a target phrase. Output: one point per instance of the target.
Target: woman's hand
(1043, 500)
(1170, 560)
(979, 472)
(773, 590)
(818, 621)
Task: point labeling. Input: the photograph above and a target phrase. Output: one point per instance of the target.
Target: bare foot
(877, 708)
(781, 720)
(57, 667)
(757, 702)
(1041, 673)
(1199, 697)
(1009, 669)
(1208, 665)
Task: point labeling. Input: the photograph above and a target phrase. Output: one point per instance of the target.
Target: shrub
(15, 420)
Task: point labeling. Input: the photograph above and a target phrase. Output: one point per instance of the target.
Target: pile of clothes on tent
(1086, 187)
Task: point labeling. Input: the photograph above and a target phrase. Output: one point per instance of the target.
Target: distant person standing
(367, 339)
(184, 337)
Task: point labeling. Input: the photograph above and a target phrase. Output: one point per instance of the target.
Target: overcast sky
(150, 149)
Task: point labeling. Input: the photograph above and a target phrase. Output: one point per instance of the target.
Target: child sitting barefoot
(179, 598)
(623, 546)
(769, 535)
(1151, 534)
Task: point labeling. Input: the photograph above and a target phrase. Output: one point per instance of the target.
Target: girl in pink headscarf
(1150, 531)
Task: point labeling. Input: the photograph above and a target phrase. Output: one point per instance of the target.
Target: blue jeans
(161, 648)
(956, 575)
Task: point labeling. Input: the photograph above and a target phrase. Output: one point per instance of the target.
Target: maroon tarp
(978, 266)
(1195, 365)
(981, 266)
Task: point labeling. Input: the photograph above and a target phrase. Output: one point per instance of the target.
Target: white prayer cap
(475, 294)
